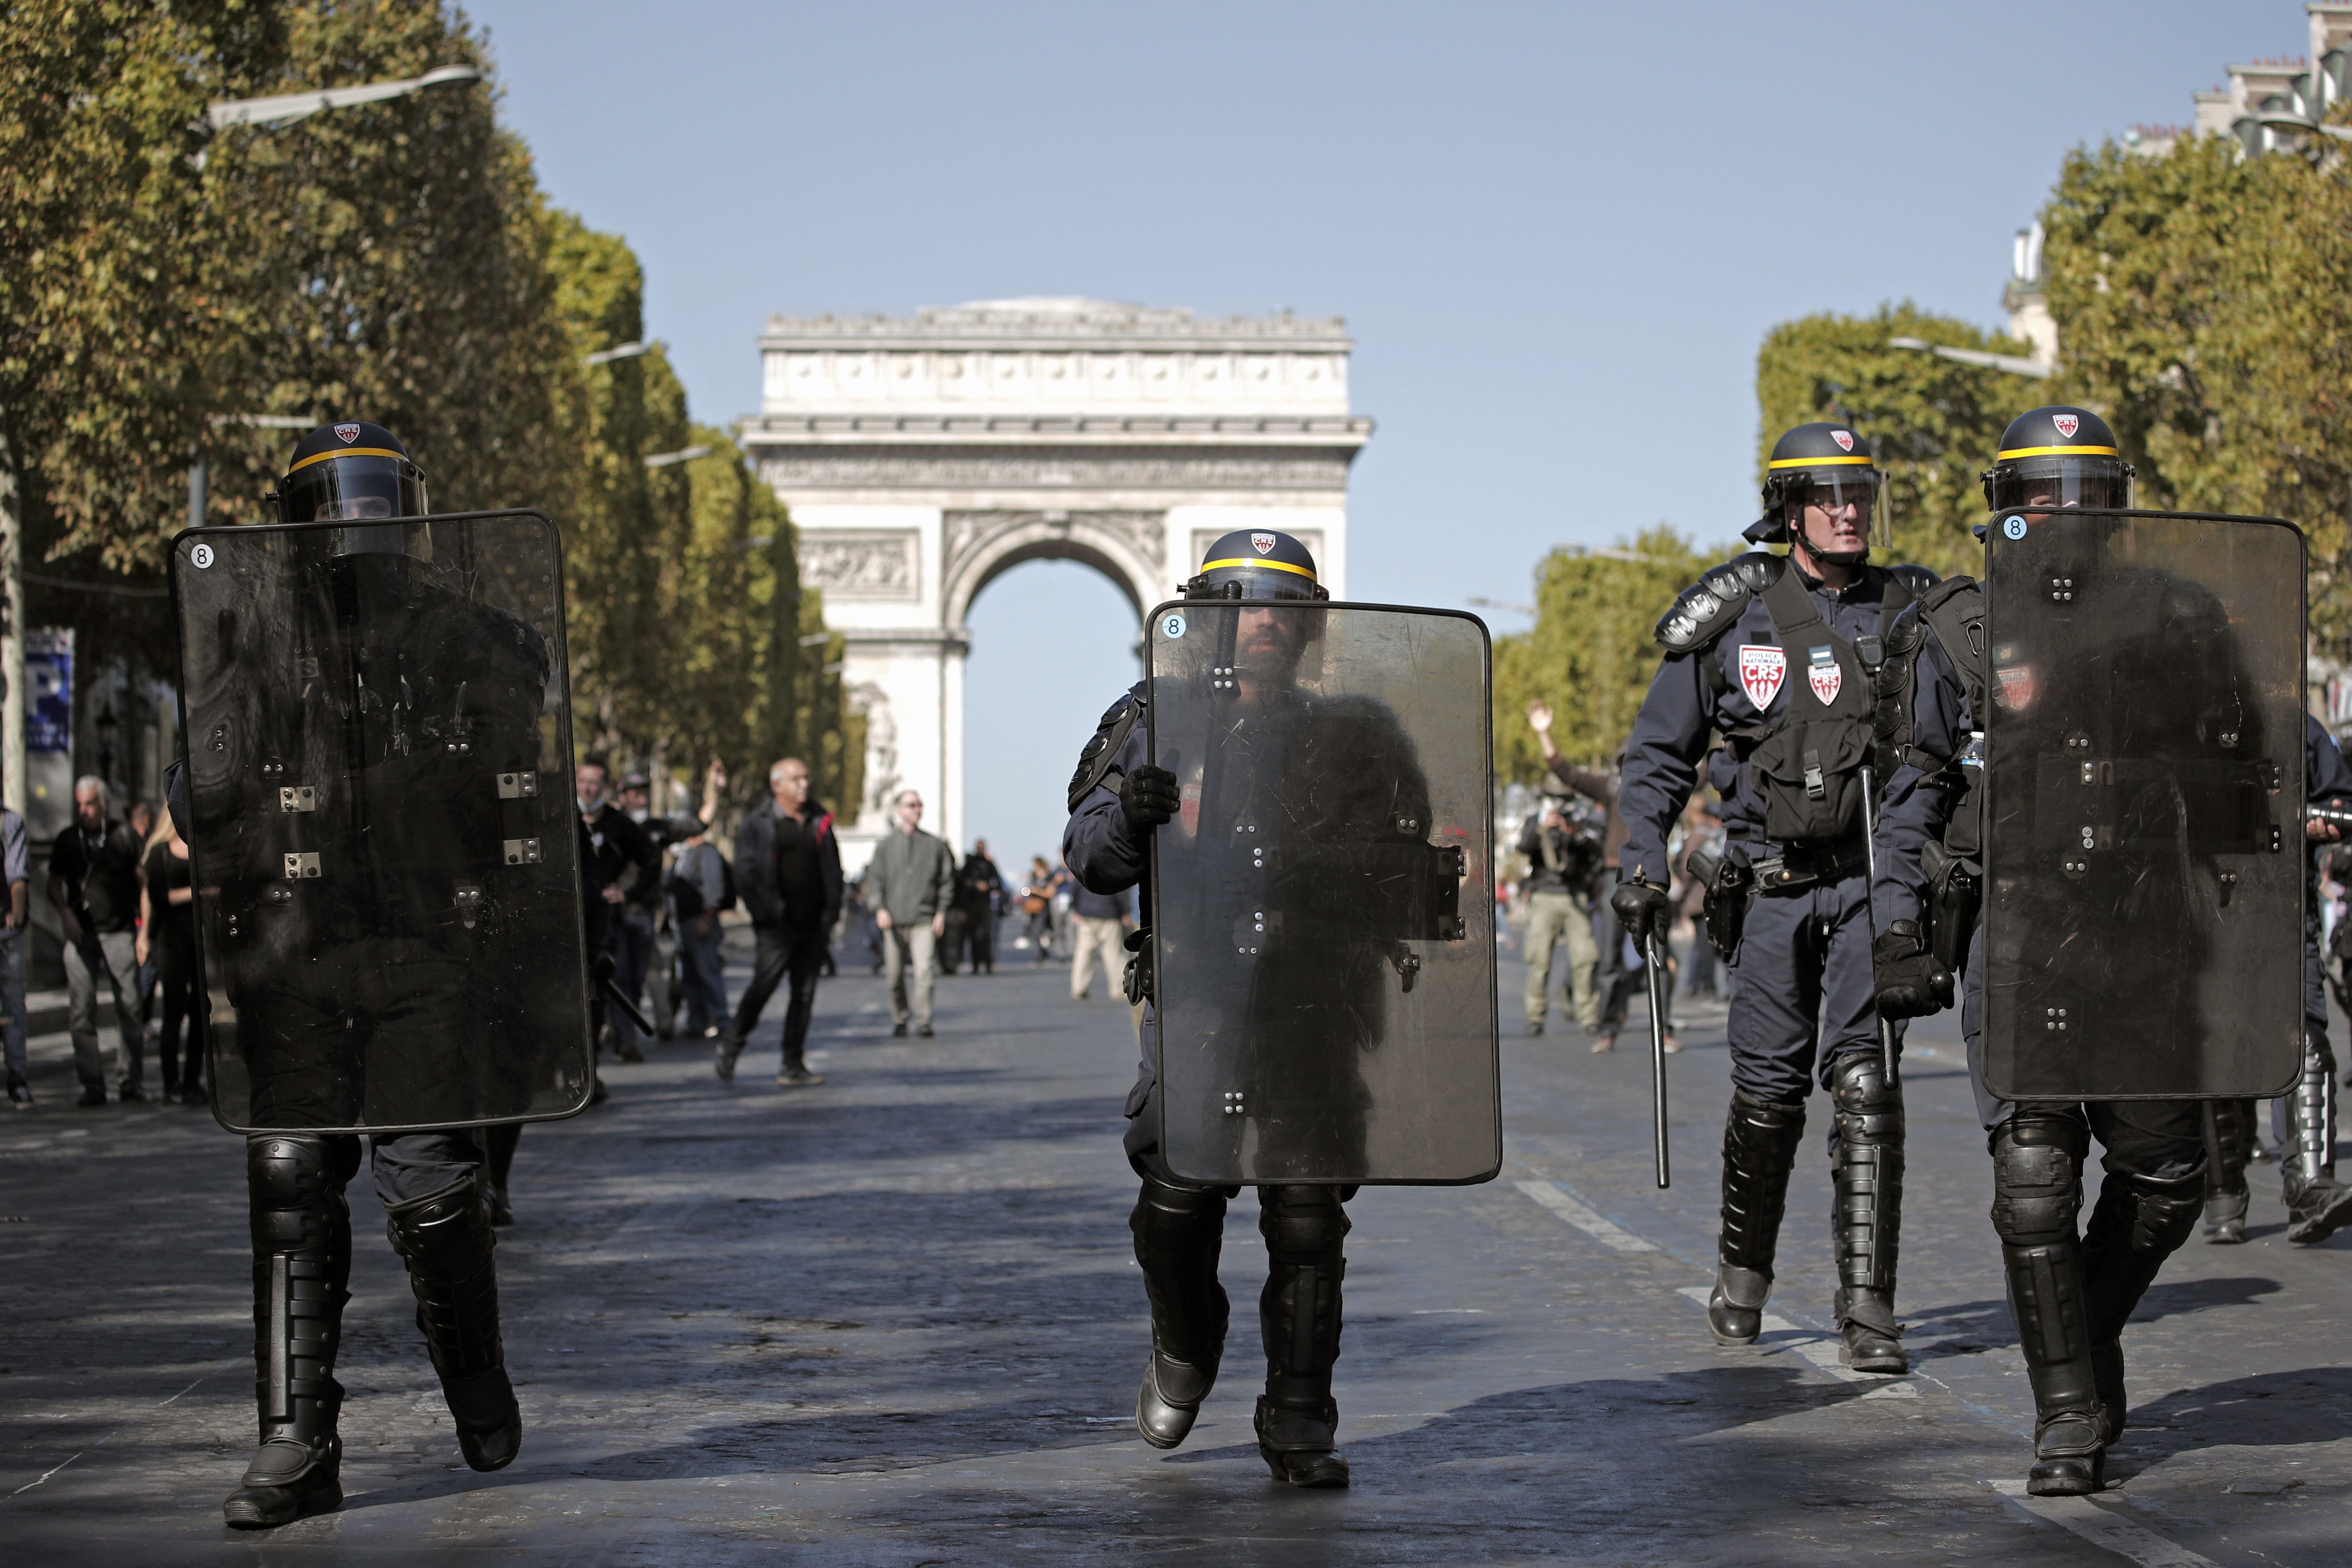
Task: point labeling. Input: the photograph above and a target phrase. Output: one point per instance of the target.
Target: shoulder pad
(1713, 603)
(1101, 751)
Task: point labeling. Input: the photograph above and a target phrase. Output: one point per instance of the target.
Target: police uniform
(1777, 663)
(1178, 1225)
(2070, 1291)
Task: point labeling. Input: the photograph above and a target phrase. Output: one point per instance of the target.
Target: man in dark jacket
(788, 874)
(980, 888)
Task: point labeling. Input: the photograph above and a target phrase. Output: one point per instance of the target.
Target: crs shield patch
(1824, 674)
(1762, 668)
(1261, 543)
(346, 434)
(2067, 423)
(1845, 438)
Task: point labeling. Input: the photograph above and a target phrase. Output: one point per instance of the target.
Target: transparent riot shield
(2144, 820)
(1324, 918)
(383, 847)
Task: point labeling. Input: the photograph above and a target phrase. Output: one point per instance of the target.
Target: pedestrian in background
(909, 884)
(1101, 921)
(1612, 979)
(701, 888)
(624, 856)
(16, 869)
(788, 874)
(1037, 904)
(979, 891)
(94, 883)
(1563, 857)
(167, 941)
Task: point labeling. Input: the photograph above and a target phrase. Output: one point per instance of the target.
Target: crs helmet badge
(1261, 543)
(1845, 438)
(2067, 423)
(346, 434)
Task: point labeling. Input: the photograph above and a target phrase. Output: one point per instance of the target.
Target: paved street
(894, 1321)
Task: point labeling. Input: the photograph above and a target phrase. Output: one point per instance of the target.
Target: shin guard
(2037, 1162)
(1760, 1149)
(1179, 1232)
(1866, 1222)
(1299, 1315)
(301, 1269)
(446, 1239)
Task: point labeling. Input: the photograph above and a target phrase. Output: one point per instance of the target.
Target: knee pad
(2037, 1180)
(1302, 1226)
(2162, 1213)
(1869, 1105)
(296, 1191)
(1169, 1219)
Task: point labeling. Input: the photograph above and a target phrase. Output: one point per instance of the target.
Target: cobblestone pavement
(894, 1321)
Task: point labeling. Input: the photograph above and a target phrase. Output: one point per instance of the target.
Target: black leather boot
(301, 1266)
(2227, 1133)
(2138, 1223)
(446, 1239)
(1299, 1315)
(2037, 1173)
(1179, 1232)
(1866, 1221)
(1759, 1147)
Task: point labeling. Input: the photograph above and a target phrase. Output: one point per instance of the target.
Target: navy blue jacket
(1686, 703)
(1099, 844)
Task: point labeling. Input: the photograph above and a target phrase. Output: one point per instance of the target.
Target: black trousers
(783, 952)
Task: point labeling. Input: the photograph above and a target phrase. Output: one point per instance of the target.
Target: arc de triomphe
(923, 457)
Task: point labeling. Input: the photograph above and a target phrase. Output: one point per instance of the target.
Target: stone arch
(1127, 547)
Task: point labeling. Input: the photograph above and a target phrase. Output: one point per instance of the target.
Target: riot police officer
(2144, 723)
(1300, 900)
(2317, 1205)
(1775, 653)
(365, 738)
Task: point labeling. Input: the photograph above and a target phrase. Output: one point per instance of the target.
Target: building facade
(922, 457)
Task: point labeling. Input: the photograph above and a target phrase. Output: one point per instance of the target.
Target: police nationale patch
(2067, 423)
(1845, 438)
(1762, 668)
(1261, 543)
(346, 434)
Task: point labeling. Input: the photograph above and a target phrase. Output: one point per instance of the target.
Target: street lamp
(2011, 363)
(618, 351)
(287, 107)
(665, 459)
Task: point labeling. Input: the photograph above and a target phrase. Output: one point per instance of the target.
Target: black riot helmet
(1255, 563)
(2058, 457)
(356, 472)
(1820, 462)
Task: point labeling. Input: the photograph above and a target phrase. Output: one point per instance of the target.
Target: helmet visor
(1821, 498)
(1254, 580)
(355, 489)
(2055, 484)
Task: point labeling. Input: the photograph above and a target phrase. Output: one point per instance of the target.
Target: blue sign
(49, 672)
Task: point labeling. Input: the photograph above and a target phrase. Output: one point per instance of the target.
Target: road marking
(1553, 1196)
(1822, 1350)
(2104, 1527)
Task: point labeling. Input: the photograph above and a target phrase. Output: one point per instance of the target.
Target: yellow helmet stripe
(347, 452)
(2056, 452)
(1246, 561)
(1816, 462)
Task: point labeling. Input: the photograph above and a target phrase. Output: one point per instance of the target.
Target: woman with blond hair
(167, 935)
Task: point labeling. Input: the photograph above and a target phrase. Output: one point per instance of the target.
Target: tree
(1933, 423)
(1592, 653)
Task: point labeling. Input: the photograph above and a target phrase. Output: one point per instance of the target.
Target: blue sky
(1557, 232)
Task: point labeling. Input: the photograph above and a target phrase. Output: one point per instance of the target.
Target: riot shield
(383, 844)
(1323, 926)
(2144, 805)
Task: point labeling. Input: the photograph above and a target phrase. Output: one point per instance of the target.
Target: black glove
(1911, 984)
(1149, 796)
(1642, 909)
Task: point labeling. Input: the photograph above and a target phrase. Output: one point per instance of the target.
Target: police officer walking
(388, 905)
(2140, 926)
(2317, 1205)
(1776, 654)
(1303, 898)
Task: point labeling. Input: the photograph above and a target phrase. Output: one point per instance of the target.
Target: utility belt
(1732, 881)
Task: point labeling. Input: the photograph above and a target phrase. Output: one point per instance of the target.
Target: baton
(1653, 959)
(1870, 914)
(617, 997)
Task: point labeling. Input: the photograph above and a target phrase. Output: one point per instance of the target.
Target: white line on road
(1822, 1350)
(2104, 1527)
(1555, 1198)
